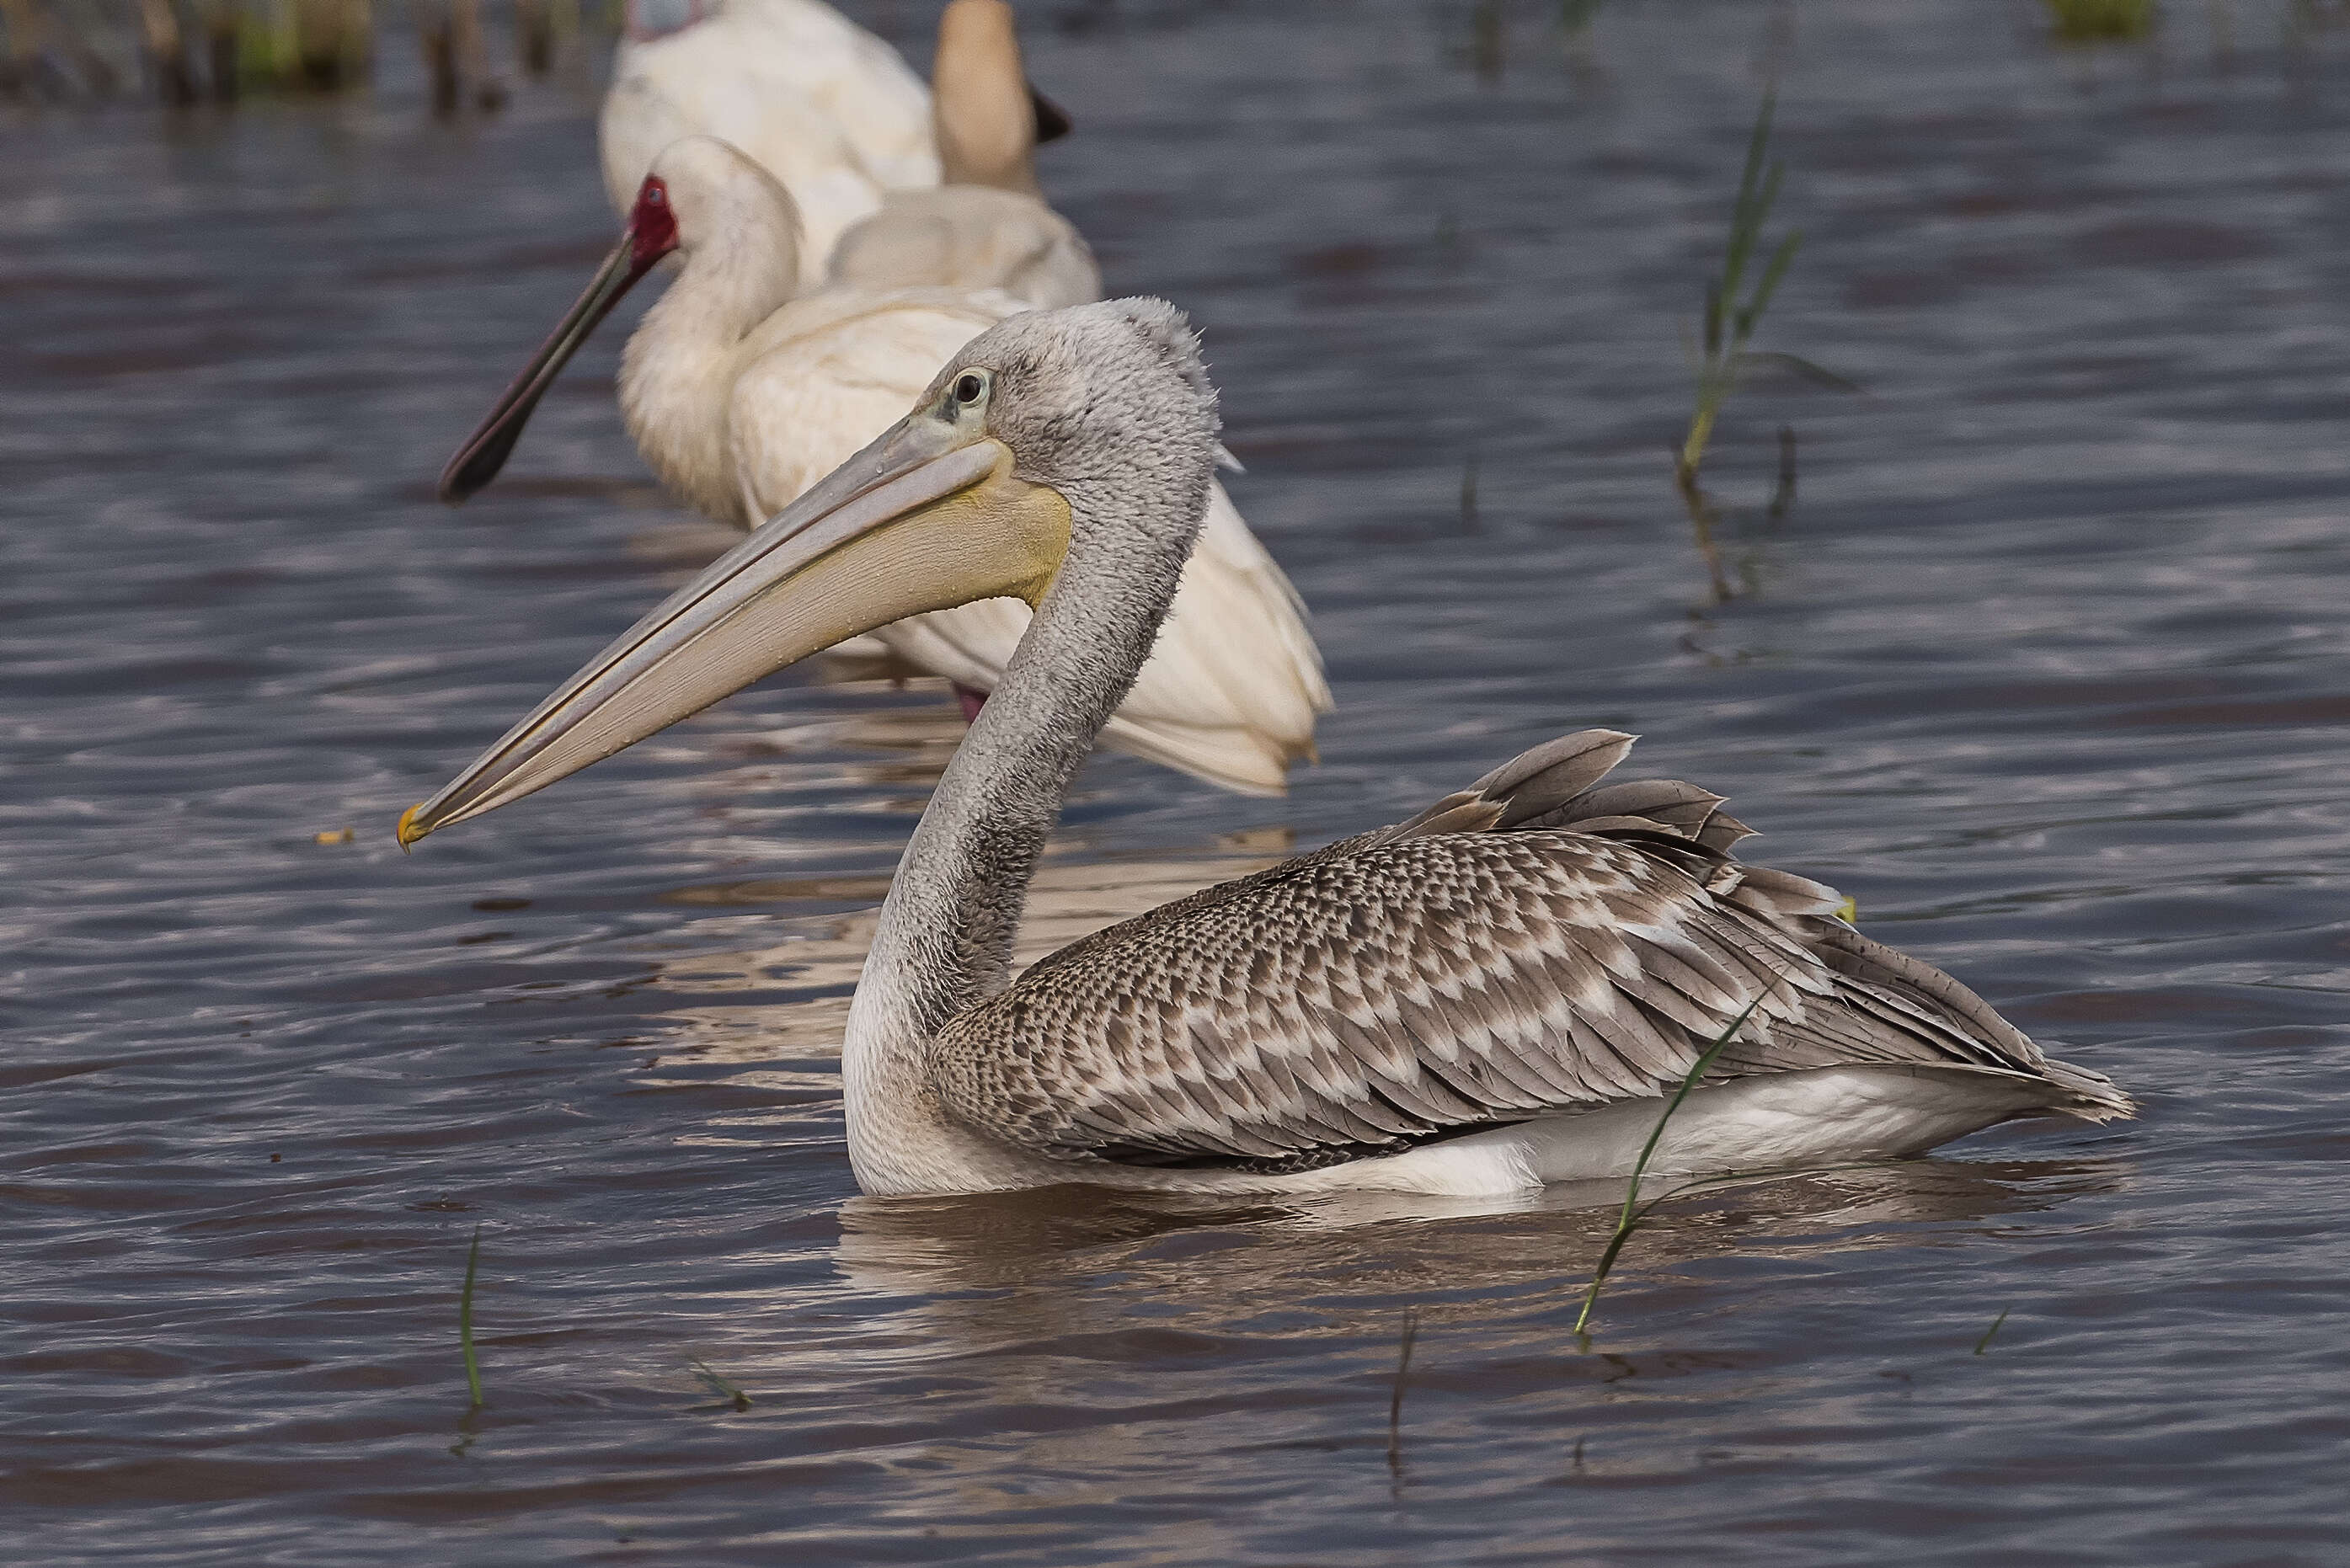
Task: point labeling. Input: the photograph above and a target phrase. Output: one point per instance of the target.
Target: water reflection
(1077, 891)
(1221, 1262)
(2044, 666)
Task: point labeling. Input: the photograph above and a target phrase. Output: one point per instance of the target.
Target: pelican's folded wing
(1427, 981)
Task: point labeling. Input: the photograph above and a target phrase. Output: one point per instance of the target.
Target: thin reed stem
(724, 1388)
(1395, 1399)
(1629, 1219)
(1733, 309)
(465, 1319)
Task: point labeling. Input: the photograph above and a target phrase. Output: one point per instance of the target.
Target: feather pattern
(1538, 943)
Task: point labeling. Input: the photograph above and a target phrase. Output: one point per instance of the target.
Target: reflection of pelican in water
(1491, 996)
(1301, 1250)
(819, 956)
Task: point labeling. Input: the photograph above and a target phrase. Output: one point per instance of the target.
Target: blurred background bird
(748, 380)
(818, 102)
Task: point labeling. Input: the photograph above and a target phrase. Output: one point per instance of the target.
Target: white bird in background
(741, 396)
(987, 224)
(834, 114)
(1497, 993)
(818, 102)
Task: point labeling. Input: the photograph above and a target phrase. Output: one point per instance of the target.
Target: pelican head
(1062, 457)
(700, 196)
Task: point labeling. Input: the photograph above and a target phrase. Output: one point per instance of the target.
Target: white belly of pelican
(1828, 1116)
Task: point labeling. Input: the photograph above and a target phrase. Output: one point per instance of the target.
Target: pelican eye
(969, 388)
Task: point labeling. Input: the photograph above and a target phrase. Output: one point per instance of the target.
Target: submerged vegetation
(465, 1320)
(728, 1392)
(1395, 1398)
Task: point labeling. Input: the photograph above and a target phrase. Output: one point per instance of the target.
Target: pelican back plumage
(1496, 994)
(970, 236)
(1541, 943)
(985, 224)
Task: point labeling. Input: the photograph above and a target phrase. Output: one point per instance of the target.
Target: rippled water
(2045, 666)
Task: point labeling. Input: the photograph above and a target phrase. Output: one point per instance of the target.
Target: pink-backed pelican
(1492, 995)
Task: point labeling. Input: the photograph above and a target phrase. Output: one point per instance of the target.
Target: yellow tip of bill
(408, 831)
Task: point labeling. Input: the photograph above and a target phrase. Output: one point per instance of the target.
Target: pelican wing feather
(1537, 943)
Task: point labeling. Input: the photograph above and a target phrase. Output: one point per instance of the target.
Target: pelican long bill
(927, 517)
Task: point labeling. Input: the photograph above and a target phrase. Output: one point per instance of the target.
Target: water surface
(2045, 666)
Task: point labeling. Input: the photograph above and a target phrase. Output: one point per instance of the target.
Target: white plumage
(985, 225)
(1233, 689)
(826, 108)
(828, 275)
(741, 396)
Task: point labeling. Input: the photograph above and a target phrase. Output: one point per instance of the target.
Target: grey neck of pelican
(945, 934)
(678, 372)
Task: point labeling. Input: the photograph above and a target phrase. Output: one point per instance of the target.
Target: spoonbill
(1492, 995)
(986, 225)
(824, 105)
(817, 101)
(741, 396)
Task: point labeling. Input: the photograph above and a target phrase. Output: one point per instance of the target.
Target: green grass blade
(1810, 371)
(1630, 1216)
(725, 1389)
(1758, 139)
(1748, 224)
(1742, 231)
(1745, 215)
(465, 1318)
(1776, 269)
(1984, 1342)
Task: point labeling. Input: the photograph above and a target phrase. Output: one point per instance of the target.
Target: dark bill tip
(479, 460)
(492, 442)
(1053, 121)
